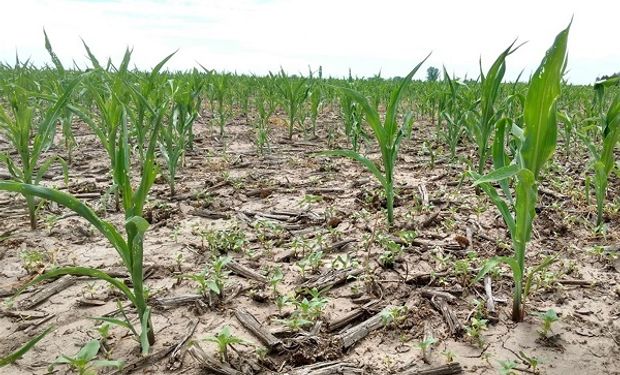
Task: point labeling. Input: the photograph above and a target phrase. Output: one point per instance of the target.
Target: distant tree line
(604, 77)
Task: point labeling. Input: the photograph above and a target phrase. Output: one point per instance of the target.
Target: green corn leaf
(372, 167)
(372, 116)
(501, 205)
(47, 164)
(491, 82)
(611, 134)
(392, 108)
(66, 200)
(91, 56)
(47, 127)
(14, 171)
(540, 107)
(500, 158)
(11, 358)
(117, 322)
(136, 226)
(499, 174)
(82, 271)
(54, 57)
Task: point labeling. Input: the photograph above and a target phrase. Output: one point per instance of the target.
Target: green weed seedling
(507, 367)
(223, 340)
(475, 329)
(84, 362)
(275, 278)
(425, 346)
(393, 316)
(213, 278)
(547, 319)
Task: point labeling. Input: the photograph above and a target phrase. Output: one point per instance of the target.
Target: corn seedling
(220, 91)
(145, 103)
(490, 82)
(293, 94)
(29, 139)
(604, 159)
(388, 135)
(265, 104)
(457, 112)
(536, 147)
(130, 250)
(60, 84)
(176, 135)
(353, 118)
(316, 99)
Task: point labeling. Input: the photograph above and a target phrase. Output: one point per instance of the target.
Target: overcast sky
(256, 36)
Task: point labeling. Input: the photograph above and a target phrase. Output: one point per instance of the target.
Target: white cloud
(368, 36)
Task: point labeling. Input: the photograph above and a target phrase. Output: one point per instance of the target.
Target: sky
(258, 36)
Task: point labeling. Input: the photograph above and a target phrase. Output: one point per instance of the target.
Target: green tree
(432, 74)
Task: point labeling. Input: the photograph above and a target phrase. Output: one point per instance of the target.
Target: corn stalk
(30, 140)
(388, 135)
(537, 145)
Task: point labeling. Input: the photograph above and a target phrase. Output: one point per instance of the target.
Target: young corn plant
(31, 139)
(536, 147)
(456, 111)
(220, 91)
(488, 116)
(175, 135)
(316, 99)
(145, 91)
(130, 249)
(604, 159)
(388, 135)
(265, 104)
(293, 93)
(60, 83)
(114, 98)
(353, 118)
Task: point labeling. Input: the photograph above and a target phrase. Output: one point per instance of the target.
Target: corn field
(204, 221)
